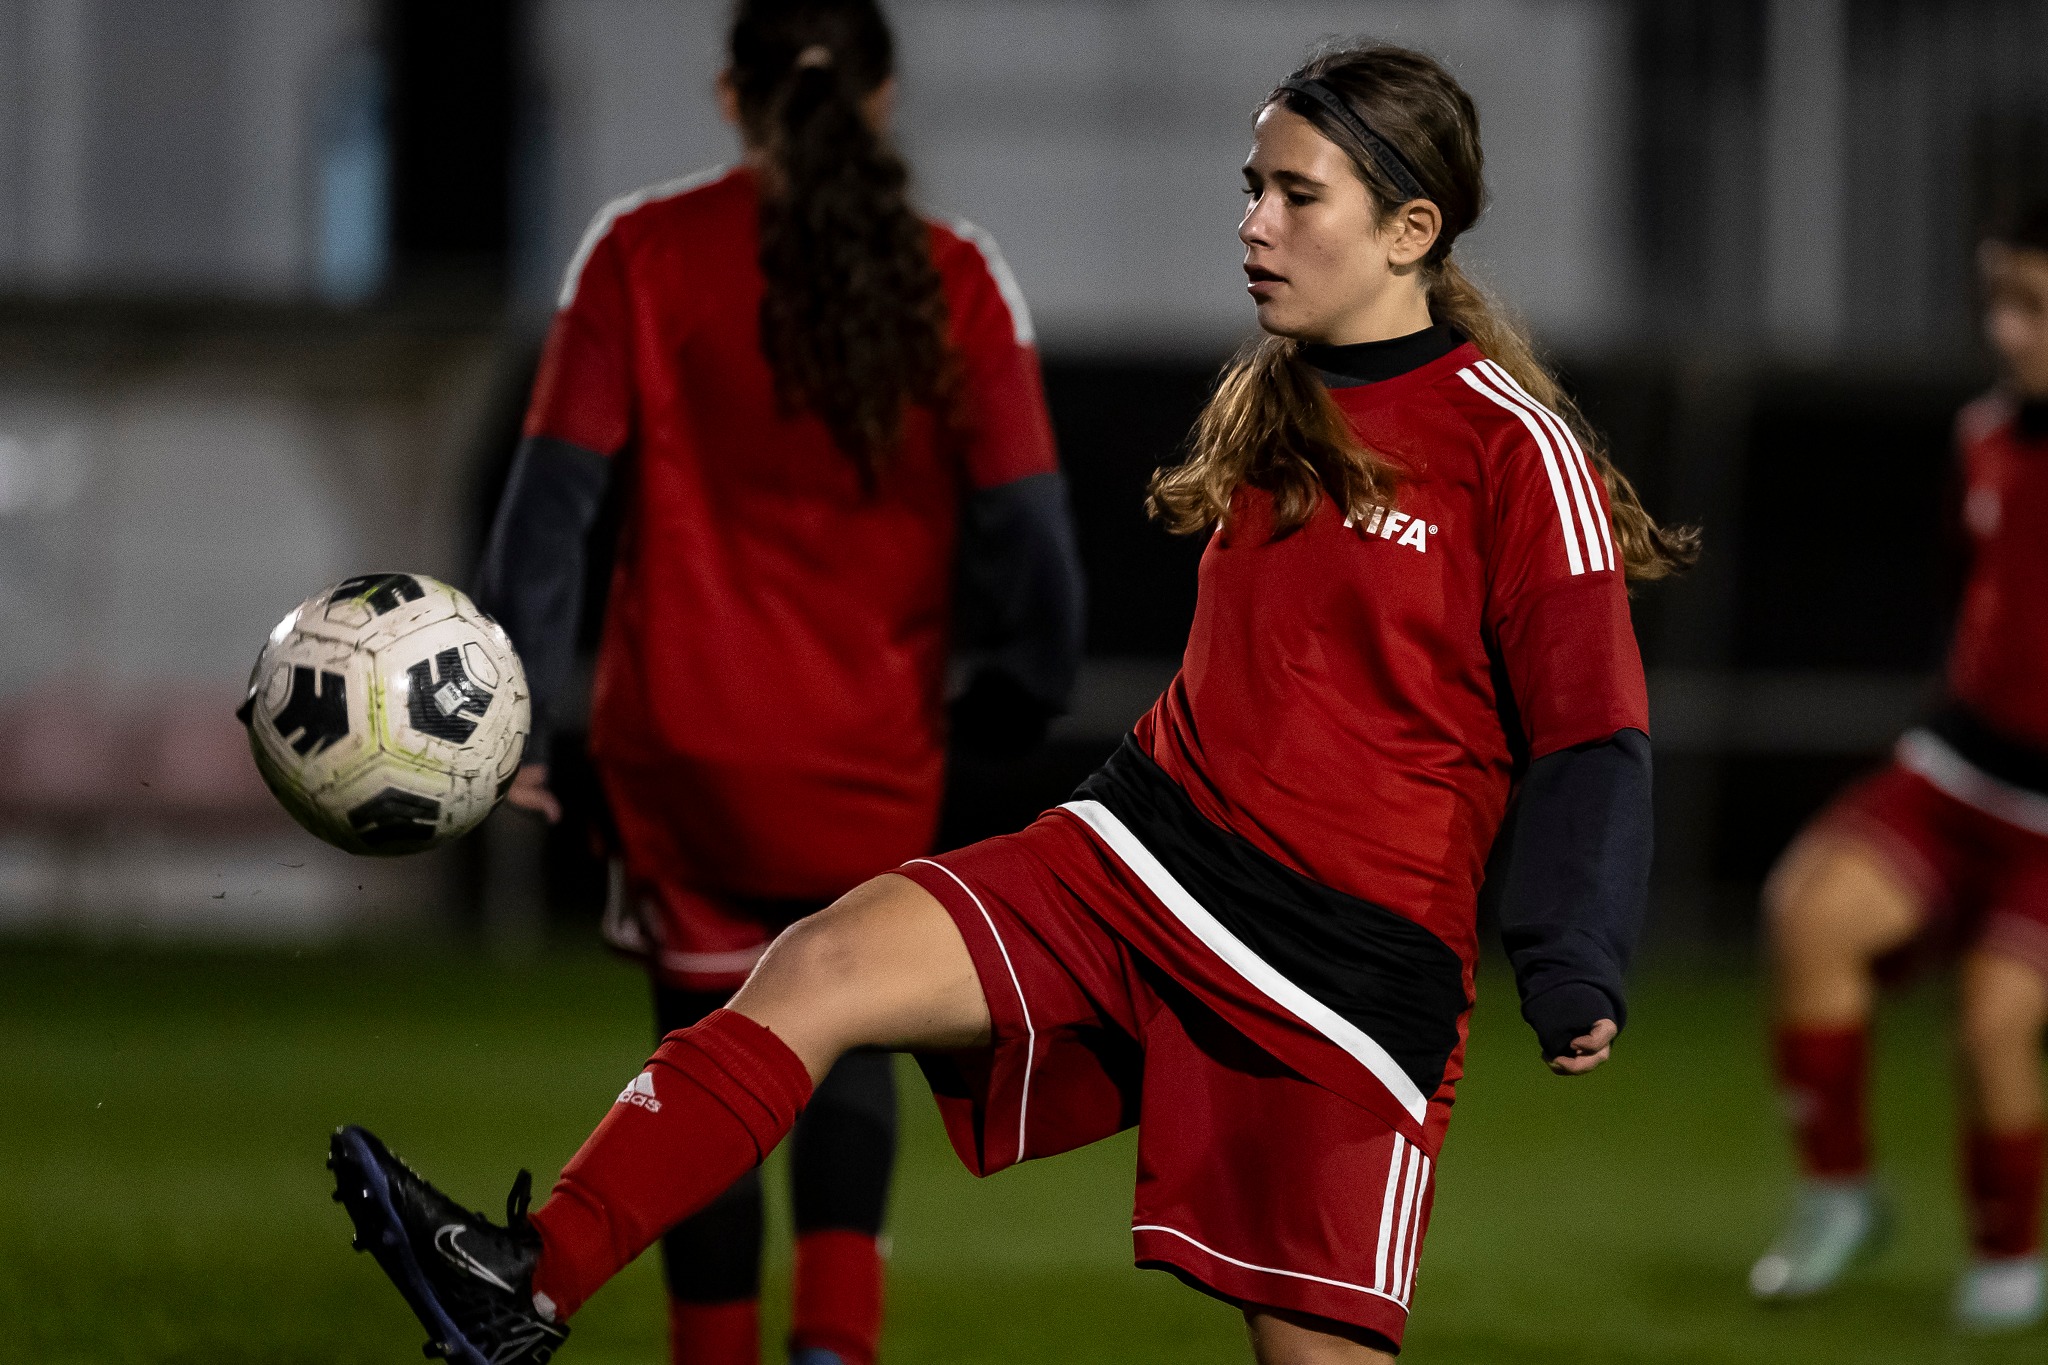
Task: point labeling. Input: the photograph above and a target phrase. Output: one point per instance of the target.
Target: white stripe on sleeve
(619, 208)
(1564, 511)
(1599, 529)
(1006, 283)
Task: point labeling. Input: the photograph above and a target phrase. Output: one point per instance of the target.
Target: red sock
(1821, 1074)
(838, 1295)
(2003, 1174)
(712, 1103)
(714, 1333)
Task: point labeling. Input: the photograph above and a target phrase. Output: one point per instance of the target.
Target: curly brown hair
(1271, 424)
(853, 319)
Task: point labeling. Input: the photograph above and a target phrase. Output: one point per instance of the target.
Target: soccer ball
(387, 714)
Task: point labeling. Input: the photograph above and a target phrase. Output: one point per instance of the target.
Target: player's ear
(1411, 231)
(878, 106)
(728, 98)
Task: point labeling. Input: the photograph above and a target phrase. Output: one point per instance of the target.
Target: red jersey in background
(775, 647)
(1998, 660)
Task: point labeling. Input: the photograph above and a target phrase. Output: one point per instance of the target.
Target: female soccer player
(1948, 846)
(1252, 932)
(801, 383)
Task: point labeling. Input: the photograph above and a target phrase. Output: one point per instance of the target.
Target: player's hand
(530, 793)
(1588, 1051)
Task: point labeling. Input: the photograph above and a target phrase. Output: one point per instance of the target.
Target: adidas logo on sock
(641, 1092)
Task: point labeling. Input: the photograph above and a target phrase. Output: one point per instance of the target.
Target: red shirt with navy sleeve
(1998, 658)
(776, 640)
(1357, 697)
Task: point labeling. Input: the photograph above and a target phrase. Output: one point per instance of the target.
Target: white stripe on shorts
(1261, 974)
(1408, 1203)
(1379, 1262)
(1030, 1033)
(1267, 1269)
(1415, 1228)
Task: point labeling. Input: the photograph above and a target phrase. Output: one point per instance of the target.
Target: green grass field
(163, 1118)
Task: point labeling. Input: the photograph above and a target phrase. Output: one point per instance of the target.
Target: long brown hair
(1272, 425)
(853, 319)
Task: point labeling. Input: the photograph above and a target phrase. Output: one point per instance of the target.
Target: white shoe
(1833, 1226)
(2000, 1296)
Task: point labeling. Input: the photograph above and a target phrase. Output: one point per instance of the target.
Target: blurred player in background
(1253, 932)
(1946, 847)
(820, 406)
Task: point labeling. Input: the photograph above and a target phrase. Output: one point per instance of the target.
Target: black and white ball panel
(388, 714)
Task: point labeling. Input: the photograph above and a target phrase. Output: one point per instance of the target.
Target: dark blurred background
(273, 273)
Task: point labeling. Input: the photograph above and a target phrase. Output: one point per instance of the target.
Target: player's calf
(2004, 1007)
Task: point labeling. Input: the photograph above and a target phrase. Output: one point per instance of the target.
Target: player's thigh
(882, 966)
(1835, 898)
(2004, 1006)
(1290, 1339)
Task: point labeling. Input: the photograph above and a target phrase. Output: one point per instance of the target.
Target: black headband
(1383, 155)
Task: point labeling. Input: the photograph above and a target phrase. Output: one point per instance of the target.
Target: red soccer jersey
(777, 638)
(1355, 698)
(1998, 659)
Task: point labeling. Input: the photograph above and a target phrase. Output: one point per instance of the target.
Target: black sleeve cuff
(1570, 874)
(1569, 1011)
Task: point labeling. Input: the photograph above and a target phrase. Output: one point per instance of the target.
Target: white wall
(164, 145)
(1100, 141)
(173, 145)
(165, 497)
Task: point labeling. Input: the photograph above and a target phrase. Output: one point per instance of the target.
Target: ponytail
(1270, 424)
(1648, 551)
(853, 317)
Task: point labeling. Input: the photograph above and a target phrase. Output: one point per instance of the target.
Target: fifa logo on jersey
(641, 1092)
(1398, 527)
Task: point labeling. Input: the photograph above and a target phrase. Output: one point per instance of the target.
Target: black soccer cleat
(469, 1281)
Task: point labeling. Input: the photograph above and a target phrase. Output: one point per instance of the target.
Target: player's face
(1319, 266)
(2016, 313)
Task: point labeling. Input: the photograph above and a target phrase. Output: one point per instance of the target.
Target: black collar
(1369, 362)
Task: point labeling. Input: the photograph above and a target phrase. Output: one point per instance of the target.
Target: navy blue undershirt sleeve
(1020, 614)
(1570, 876)
(533, 567)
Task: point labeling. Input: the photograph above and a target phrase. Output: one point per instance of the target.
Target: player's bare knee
(1829, 906)
(815, 957)
(1800, 920)
(2004, 1008)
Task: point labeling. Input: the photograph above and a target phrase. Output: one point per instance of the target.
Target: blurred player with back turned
(1253, 932)
(824, 410)
(1945, 848)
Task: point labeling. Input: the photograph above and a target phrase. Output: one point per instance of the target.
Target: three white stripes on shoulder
(1563, 461)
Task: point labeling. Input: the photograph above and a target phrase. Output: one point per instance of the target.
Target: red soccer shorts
(1254, 1184)
(663, 908)
(1983, 881)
